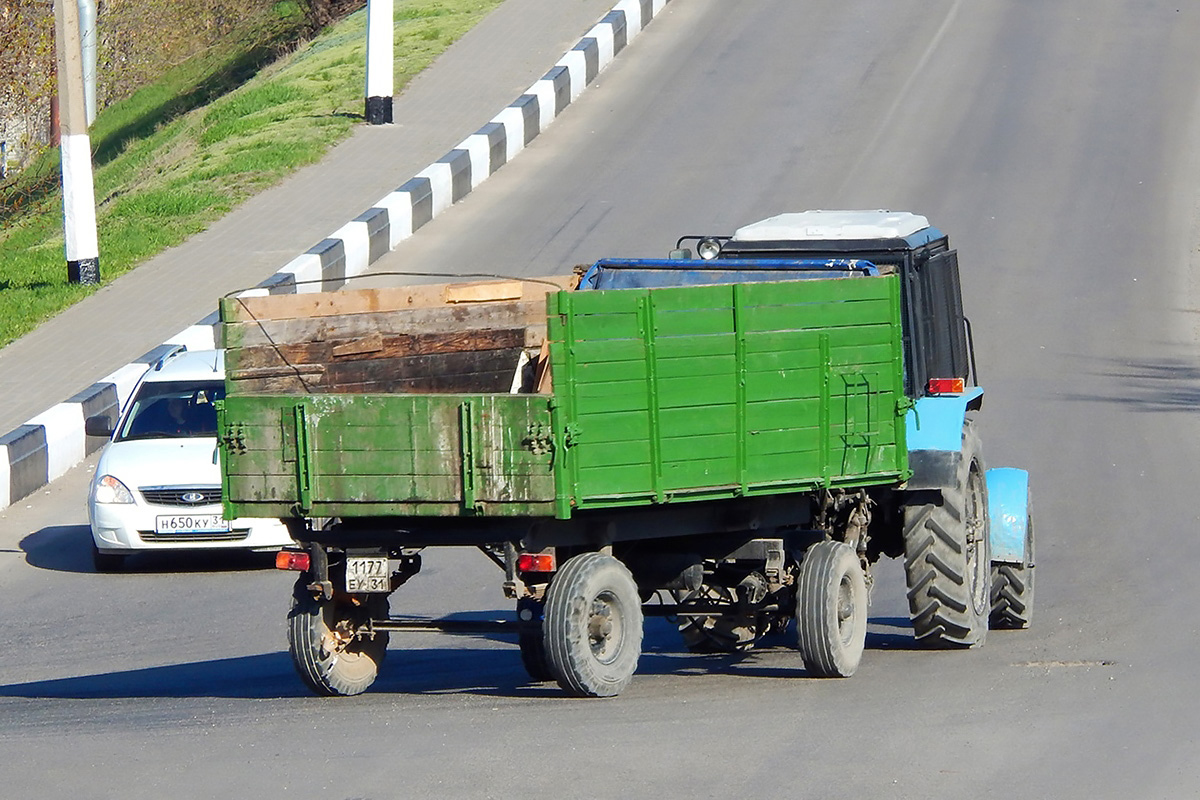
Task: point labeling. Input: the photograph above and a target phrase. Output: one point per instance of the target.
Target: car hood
(162, 462)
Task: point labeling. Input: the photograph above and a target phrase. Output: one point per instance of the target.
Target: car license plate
(191, 523)
(368, 574)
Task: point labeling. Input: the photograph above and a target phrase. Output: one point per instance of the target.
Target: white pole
(79, 199)
(87, 39)
(380, 62)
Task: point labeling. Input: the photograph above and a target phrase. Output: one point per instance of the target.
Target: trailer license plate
(191, 523)
(367, 574)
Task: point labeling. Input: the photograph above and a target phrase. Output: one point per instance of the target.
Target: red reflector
(535, 562)
(292, 559)
(947, 385)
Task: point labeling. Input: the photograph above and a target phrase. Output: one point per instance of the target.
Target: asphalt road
(1054, 142)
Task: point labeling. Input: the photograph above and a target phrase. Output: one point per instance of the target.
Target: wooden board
(471, 337)
(361, 301)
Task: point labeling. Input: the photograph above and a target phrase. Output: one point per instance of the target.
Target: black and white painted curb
(49, 444)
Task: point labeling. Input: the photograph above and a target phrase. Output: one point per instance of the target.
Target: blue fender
(936, 422)
(1008, 514)
(933, 430)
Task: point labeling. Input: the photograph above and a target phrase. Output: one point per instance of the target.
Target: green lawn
(175, 156)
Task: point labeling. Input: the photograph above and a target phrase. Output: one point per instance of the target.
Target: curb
(49, 444)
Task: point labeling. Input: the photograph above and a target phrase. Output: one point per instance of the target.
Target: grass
(177, 155)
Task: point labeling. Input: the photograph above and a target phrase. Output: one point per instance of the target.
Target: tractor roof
(832, 225)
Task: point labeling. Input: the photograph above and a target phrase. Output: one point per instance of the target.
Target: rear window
(172, 409)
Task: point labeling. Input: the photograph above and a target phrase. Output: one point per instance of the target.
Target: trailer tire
(531, 639)
(947, 557)
(1012, 590)
(593, 626)
(831, 610)
(327, 665)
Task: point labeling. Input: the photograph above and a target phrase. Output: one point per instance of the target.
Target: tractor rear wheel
(947, 557)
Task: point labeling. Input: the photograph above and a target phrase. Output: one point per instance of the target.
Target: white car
(158, 483)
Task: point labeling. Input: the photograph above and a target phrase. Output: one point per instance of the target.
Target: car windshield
(172, 409)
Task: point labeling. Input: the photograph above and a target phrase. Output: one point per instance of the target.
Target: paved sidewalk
(482, 73)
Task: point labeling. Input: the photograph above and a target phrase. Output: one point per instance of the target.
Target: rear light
(292, 559)
(535, 562)
(947, 385)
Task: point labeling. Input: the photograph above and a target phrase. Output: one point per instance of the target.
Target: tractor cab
(936, 334)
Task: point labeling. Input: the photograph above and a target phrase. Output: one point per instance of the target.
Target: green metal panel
(361, 455)
(720, 391)
(660, 395)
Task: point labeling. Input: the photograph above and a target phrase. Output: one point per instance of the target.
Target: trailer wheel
(328, 642)
(593, 627)
(531, 639)
(947, 557)
(831, 610)
(1012, 590)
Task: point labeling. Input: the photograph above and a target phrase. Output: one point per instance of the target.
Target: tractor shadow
(487, 665)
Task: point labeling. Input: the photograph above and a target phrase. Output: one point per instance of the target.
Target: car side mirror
(99, 425)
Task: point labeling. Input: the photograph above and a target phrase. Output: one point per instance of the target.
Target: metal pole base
(85, 271)
(379, 110)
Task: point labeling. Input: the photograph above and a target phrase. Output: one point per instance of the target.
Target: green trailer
(731, 454)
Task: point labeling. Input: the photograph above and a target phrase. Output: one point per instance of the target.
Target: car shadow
(68, 548)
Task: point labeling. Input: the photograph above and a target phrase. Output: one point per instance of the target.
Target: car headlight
(110, 490)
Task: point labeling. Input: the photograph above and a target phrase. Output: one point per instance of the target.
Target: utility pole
(79, 197)
(381, 67)
(87, 40)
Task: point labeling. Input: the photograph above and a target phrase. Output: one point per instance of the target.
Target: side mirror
(99, 425)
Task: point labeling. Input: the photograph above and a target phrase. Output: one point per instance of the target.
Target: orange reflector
(535, 562)
(947, 385)
(292, 559)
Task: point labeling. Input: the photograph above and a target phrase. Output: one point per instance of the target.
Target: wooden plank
(442, 319)
(817, 291)
(609, 480)
(817, 316)
(369, 344)
(694, 322)
(357, 301)
(592, 352)
(700, 473)
(624, 325)
(615, 426)
(475, 371)
(700, 446)
(594, 454)
(483, 291)
(311, 356)
(701, 390)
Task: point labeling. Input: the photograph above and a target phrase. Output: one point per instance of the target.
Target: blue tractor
(965, 532)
